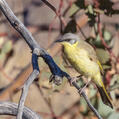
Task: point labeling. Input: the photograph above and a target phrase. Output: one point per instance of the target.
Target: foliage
(80, 16)
(102, 40)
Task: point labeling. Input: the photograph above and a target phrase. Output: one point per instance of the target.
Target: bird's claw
(81, 90)
(74, 79)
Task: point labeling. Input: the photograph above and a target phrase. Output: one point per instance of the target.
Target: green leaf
(106, 67)
(79, 4)
(103, 109)
(74, 8)
(114, 84)
(107, 36)
(90, 9)
(114, 115)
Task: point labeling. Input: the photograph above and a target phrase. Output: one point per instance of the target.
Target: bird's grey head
(68, 37)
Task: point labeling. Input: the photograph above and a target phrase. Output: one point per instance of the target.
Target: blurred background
(96, 21)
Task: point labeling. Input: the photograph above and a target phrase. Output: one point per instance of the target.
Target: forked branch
(57, 73)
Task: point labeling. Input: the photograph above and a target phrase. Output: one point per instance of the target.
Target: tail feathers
(105, 97)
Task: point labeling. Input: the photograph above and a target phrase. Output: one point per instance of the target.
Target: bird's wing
(101, 68)
(91, 53)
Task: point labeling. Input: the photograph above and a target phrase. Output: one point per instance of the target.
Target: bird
(82, 56)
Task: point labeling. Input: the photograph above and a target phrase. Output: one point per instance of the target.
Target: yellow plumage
(83, 58)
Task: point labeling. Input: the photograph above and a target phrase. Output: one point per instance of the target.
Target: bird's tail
(104, 95)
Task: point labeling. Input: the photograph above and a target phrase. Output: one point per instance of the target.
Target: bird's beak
(59, 39)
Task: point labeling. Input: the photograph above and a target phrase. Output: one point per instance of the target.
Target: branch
(57, 73)
(28, 82)
(84, 95)
(8, 108)
(18, 25)
(103, 41)
(62, 22)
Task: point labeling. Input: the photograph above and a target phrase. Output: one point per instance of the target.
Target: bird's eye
(72, 41)
(68, 40)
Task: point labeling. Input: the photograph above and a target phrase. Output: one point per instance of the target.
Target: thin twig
(61, 19)
(57, 73)
(83, 34)
(48, 103)
(50, 6)
(67, 9)
(102, 39)
(44, 98)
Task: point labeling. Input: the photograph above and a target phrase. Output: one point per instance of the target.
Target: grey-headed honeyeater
(82, 57)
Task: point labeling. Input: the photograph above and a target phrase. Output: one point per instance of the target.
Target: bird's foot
(74, 79)
(82, 89)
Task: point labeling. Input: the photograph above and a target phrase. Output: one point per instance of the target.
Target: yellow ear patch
(75, 44)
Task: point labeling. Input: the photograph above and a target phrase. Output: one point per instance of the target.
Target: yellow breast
(79, 59)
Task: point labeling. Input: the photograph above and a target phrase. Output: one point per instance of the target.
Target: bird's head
(68, 39)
